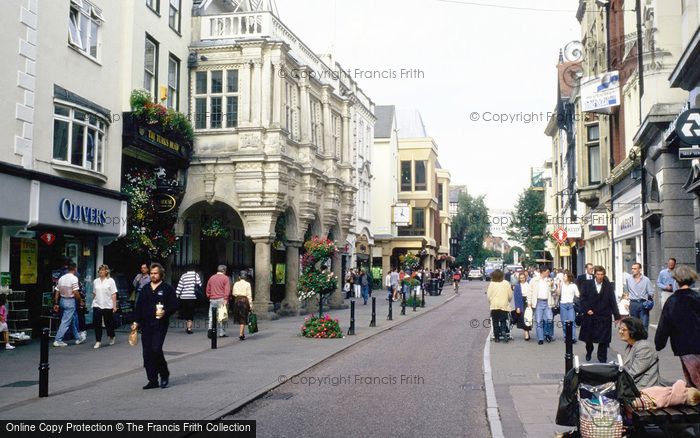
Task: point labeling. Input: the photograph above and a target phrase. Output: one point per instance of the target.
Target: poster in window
(280, 270)
(28, 261)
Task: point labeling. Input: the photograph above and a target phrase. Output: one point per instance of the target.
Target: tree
(528, 223)
(470, 227)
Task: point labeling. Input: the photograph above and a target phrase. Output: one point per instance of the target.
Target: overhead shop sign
(600, 93)
(688, 153)
(688, 127)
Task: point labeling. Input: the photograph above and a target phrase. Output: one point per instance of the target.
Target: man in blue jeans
(364, 282)
(67, 298)
(541, 293)
(640, 290)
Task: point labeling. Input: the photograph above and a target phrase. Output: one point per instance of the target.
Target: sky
(462, 62)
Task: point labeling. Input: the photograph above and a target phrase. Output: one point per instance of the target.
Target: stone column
(305, 120)
(262, 305)
(345, 156)
(246, 95)
(277, 95)
(386, 266)
(290, 304)
(256, 94)
(267, 91)
(337, 301)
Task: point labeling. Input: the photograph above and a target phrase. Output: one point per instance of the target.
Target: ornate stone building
(273, 162)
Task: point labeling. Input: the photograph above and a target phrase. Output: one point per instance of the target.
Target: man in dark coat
(586, 276)
(598, 304)
(154, 306)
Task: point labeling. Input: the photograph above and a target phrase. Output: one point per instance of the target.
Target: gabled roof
(385, 115)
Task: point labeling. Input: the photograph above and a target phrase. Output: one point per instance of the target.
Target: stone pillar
(277, 95)
(246, 96)
(386, 266)
(327, 134)
(345, 156)
(305, 120)
(267, 91)
(256, 94)
(290, 304)
(262, 305)
(337, 301)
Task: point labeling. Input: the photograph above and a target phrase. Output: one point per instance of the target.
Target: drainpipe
(643, 151)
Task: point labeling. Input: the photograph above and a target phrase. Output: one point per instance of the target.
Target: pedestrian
(242, 302)
(639, 359)
(104, 305)
(387, 285)
(569, 293)
(187, 297)
(666, 283)
(395, 284)
(641, 294)
(155, 305)
(357, 278)
(364, 282)
(218, 291)
(542, 301)
(586, 276)
(500, 296)
(140, 280)
(3, 323)
(680, 321)
(520, 293)
(67, 298)
(598, 305)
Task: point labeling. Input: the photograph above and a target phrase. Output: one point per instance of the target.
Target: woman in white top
(104, 304)
(569, 292)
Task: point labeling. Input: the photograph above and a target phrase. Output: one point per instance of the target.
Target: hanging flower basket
(215, 229)
(409, 261)
(316, 280)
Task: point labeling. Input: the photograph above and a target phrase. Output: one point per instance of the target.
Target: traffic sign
(560, 235)
(688, 127)
(688, 153)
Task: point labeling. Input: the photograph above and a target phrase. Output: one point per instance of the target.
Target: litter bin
(434, 287)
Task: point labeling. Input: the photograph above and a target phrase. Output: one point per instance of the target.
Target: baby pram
(593, 398)
(507, 330)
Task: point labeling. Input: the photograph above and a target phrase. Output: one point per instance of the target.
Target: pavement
(205, 384)
(526, 379)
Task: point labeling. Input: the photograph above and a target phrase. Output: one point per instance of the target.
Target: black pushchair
(594, 397)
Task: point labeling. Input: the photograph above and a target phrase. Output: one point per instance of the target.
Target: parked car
(475, 274)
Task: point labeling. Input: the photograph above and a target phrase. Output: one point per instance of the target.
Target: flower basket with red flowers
(316, 279)
(323, 327)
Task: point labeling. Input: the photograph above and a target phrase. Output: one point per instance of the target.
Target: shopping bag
(222, 312)
(527, 316)
(133, 336)
(600, 415)
(252, 323)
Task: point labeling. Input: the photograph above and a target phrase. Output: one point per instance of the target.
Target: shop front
(627, 235)
(64, 222)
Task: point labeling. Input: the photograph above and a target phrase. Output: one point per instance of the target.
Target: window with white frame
(150, 67)
(593, 145)
(291, 110)
(85, 20)
(216, 99)
(174, 15)
(173, 82)
(154, 5)
(79, 137)
(316, 124)
(337, 133)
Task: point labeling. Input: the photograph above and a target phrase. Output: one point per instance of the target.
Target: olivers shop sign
(82, 213)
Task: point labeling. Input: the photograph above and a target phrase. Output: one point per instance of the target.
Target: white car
(475, 274)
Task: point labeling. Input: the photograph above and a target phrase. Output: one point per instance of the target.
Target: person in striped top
(186, 295)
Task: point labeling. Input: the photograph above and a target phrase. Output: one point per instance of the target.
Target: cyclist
(456, 278)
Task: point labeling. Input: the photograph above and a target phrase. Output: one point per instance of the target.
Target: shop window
(420, 176)
(79, 138)
(85, 20)
(216, 99)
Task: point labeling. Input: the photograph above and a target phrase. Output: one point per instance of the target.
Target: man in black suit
(598, 305)
(588, 275)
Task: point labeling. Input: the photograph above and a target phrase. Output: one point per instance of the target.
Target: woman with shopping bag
(242, 301)
(520, 294)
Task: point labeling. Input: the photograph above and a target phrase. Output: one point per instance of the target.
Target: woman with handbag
(187, 296)
(242, 301)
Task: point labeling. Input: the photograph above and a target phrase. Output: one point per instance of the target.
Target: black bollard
(351, 330)
(569, 355)
(390, 316)
(213, 328)
(415, 299)
(373, 322)
(403, 303)
(44, 364)
(422, 298)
